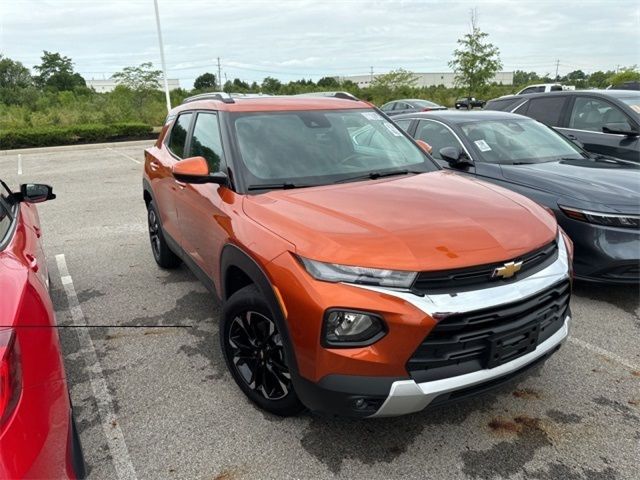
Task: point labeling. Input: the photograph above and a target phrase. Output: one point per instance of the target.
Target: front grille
(463, 343)
(480, 276)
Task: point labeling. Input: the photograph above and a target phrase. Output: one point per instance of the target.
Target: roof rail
(343, 95)
(222, 96)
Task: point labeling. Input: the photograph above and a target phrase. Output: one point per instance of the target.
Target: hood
(612, 184)
(431, 221)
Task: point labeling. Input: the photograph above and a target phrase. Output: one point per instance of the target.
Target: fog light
(345, 328)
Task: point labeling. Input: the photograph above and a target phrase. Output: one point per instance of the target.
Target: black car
(398, 107)
(603, 121)
(596, 199)
(469, 103)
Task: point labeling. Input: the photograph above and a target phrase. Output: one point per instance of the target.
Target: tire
(254, 352)
(163, 255)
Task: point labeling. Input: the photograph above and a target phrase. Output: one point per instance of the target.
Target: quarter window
(404, 124)
(178, 138)
(593, 114)
(206, 141)
(547, 109)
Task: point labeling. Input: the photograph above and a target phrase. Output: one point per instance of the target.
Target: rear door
(585, 122)
(202, 208)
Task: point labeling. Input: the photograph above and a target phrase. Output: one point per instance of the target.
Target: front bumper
(407, 396)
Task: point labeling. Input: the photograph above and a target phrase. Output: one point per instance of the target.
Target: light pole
(164, 66)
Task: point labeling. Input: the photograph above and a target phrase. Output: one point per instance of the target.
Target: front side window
(178, 136)
(322, 147)
(206, 141)
(5, 219)
(546, 109)
(518, 142)
(593, 114)
(438, 136)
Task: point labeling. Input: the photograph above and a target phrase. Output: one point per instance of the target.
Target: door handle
(181, 185)
(33, 262)
(38, 231)
(153, 165)
(572, 137)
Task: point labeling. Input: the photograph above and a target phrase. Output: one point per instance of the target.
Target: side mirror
(36, 193)
(196, 170)
(454, 157)
(620, 128)
(425, 146)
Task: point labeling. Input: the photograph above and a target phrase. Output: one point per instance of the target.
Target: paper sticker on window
(392, 129)
(482, 145)
(371, 116)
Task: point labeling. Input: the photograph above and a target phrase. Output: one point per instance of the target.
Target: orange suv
(356, 276)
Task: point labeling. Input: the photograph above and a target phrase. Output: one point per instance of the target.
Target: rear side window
(502, 104)
(387, 107)
(178, 138)
(206, 141)
(546, 109)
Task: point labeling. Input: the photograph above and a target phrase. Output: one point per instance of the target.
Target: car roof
(268, 103)
(600, 93)
(455, 116)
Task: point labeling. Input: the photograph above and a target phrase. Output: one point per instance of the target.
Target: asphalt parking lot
(156, 402)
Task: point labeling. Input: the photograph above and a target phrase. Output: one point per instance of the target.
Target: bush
(51, 136)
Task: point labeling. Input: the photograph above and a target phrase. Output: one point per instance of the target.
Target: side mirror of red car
(196, 170)
(36, 193)
(425, 146)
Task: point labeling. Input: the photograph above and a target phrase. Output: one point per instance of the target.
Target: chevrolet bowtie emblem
(508, 270)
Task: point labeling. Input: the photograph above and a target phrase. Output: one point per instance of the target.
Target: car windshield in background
(425, 103)
(303, 148)
(633, 102)
(518, 141)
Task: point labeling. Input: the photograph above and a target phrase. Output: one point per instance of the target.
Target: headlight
(608, 219)
(331, 272)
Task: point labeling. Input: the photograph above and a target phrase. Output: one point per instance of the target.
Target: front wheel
(254, 352)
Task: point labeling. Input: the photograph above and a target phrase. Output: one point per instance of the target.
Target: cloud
(294, 39)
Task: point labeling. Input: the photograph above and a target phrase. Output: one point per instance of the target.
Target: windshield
(322, 147)
(518, 141)
(633, 102)
(425, 103)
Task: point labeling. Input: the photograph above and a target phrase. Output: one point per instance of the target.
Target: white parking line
(19, 164)
(110, 426)
(124, 155)
(605, 353)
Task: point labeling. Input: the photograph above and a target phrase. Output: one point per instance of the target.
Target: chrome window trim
(407, 396)
(421, 119)
(462, 302)
(517, 107)
(590, 131)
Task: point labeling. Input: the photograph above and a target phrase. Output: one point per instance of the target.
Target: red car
(38, 438)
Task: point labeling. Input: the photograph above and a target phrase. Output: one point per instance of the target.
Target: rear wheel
(162, 254)
(254, 352)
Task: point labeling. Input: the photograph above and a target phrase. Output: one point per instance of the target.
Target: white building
(430, 79)
(104, 86)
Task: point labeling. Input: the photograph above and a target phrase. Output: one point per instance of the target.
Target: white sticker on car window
(482, 145)
(392, 129)
(371, 116)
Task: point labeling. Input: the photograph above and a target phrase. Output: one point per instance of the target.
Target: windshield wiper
(376, 175)
(277, 186)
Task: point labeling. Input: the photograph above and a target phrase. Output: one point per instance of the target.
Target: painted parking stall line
(110, 425)
(124, 155)
(19, 164)
(605, 353)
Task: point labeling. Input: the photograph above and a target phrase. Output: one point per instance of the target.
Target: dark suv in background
(606, 122)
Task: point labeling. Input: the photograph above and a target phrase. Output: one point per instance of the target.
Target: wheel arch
(237, 270)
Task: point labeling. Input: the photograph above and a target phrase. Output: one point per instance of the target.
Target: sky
(293, 39)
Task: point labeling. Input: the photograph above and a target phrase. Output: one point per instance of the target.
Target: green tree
(625, 74)
(394, 80)
(13, 74)
(205, 81)
(240, 86)
(142, 78)
(328, 82)
(522, 78)
(271, 85)
(599, 79)
(475, 61)
(56, 71)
